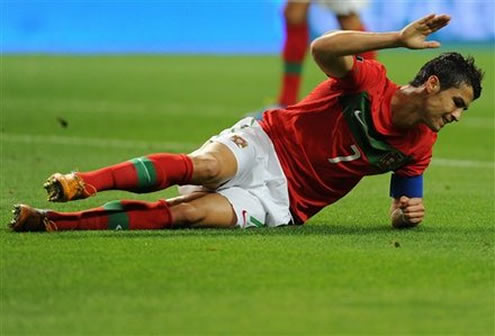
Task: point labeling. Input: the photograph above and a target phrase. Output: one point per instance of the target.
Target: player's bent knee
(207, 168)
(214, 164)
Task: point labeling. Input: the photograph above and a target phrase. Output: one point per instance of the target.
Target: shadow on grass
(295, 230)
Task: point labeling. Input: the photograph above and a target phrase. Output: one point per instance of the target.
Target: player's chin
(435, 127)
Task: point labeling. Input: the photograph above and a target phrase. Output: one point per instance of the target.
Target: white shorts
(258, 192)
(343, 7)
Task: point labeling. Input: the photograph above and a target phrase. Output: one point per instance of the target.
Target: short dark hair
(452, 69)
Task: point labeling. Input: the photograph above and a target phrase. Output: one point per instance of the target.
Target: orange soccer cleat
(63, 188)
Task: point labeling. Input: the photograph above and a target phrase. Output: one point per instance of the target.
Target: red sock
(295, 46)
(116, 215)
(144, 174)
(368, 54)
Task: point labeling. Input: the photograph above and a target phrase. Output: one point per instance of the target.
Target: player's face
(445, 106)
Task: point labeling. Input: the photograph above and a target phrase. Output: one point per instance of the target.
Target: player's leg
(195, 211)
(115, 215)
(213, 164)
(144, 174)
(233, 162)
(352, 21)
(210, 165)
(251, 150)
(294, 50)
(347, 12)
(212, 210)
(185, 198)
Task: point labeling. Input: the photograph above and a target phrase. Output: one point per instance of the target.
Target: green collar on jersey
(357, 112)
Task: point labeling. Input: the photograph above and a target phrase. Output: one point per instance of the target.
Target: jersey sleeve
(364, 74)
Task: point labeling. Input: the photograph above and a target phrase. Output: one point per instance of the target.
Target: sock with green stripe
(116, 215)
(144, 174)
(295, 47)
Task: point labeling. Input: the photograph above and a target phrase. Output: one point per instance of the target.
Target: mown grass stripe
(96, 142)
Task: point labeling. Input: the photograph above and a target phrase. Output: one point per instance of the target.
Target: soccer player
(290, 165)
(297, 40)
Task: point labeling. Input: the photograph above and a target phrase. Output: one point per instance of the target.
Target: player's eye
(459, 103)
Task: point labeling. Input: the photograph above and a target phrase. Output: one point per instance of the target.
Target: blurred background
(213, 26)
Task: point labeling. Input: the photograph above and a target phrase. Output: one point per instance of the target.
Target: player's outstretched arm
(406, 212)
(333, 51)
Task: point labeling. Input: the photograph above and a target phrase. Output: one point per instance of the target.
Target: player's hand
(413, 36)
(407, 212)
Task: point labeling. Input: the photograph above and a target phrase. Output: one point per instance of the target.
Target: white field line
(174, 146)
(478, 122)
(462, 163)
(95, 142)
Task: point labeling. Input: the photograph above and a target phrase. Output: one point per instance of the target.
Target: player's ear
(432, 84)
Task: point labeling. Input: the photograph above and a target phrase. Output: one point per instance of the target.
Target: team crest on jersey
(391, 161)
(239, 141)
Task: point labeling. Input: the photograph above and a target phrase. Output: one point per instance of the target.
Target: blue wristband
(410, 186)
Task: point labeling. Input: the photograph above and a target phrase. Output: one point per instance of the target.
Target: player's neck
(406, 107)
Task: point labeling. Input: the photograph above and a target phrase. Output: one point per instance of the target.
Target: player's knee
(207, 168)
(296, 13)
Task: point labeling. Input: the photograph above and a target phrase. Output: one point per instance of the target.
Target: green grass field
(345, 272)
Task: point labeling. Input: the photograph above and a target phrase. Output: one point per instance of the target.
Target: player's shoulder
(370, 63)
(370, 71)
(363, 76)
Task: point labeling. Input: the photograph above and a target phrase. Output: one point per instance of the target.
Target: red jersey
(341, 132)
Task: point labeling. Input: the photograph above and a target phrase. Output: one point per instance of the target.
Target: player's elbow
(325, 52)
(323, 47)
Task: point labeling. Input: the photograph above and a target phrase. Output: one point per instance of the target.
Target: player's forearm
(343, 43)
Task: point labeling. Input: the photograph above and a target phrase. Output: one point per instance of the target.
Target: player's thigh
(232, 155)
(209, 210)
